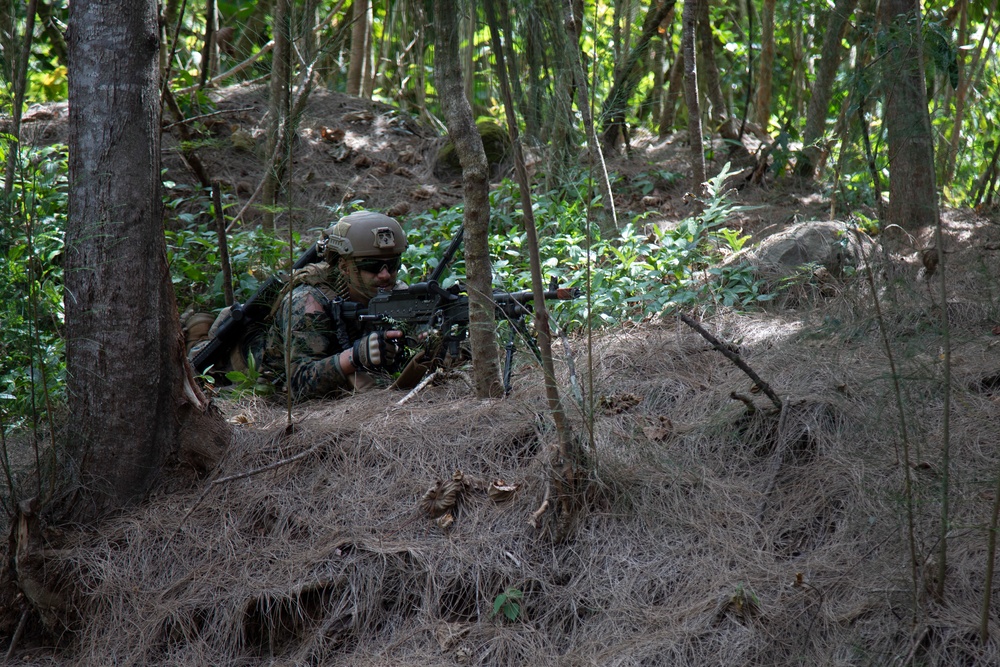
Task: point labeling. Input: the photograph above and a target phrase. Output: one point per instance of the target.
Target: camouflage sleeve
(315, 363)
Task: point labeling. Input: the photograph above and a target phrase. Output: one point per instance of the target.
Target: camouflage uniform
(318, 334)
(317, 339)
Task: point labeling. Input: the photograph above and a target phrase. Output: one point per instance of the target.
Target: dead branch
(728, 353)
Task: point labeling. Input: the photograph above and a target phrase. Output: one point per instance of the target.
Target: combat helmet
(363, 234)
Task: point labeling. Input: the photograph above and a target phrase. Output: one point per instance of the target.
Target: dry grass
(710, 536)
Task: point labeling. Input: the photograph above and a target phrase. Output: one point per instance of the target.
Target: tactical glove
(374, 351)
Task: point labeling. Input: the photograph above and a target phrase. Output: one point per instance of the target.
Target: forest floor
(716, 528)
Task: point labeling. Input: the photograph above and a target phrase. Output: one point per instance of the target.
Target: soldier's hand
(376, 350)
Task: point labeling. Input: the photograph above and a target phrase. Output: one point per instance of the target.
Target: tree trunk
(20, 80)
(967, 75)
(690, 22)
(556, 110)
(830, 58)
(608, 219)
(719, 113)
(762, 102)
(475, 181)
(912, 189)
(253, 30)
(278, 109)
(674, 86)
(613, 109)
(360, 48)
(130, 389)
(567, 477)
(209, 49)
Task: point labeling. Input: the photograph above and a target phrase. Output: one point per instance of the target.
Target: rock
(830, 244)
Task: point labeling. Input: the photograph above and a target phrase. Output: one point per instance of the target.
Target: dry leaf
(443, 496)
(445, 520)
(619, 403)
(334, 135)
(659, 432)
(358, 117)
(500, 490)
(449, 634)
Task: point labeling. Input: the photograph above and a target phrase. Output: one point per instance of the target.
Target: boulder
(830, 244)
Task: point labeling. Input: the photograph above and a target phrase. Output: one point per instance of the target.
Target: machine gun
(441, 317)
(256, 309)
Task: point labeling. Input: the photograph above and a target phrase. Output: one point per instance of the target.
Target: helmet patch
(384, 238)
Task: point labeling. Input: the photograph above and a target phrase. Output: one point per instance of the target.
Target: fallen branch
(733, 357)
(231, 478)
(416, 390)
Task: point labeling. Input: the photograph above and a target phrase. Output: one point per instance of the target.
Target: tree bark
(912, 188)
(360, 48)
(690, 22)
(475, 180)
(831, 55)
(278, 110)
(613, 109)
(130, 389)
(762, 101)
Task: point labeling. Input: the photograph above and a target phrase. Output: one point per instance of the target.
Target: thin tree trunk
(209, 53)
(831, 56)
(278, 109)
(475, 181)
(253, 31)
(613, 109)
(568, 460)
(52, 31)
(762, 102)
(360, 48)
(20, 80)
(608, 221)
(966, 76)
(467, 23)
(554, 95)
(690, 21)
(722, 122)
(534, 56)
(799, 64)
(674, 89)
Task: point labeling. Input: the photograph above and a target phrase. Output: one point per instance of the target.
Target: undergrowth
(641, 273)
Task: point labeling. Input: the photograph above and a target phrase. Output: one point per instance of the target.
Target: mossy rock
(496, 144)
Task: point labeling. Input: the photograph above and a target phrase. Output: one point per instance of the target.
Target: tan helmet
(363, 234)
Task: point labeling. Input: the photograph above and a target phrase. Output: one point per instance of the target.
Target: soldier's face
(368, 276)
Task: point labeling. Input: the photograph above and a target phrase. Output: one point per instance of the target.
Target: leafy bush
(638, 274)
(32, 359)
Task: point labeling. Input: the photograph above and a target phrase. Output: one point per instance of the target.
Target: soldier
(327, 353)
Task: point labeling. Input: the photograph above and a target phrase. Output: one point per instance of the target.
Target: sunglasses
(391, 264)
